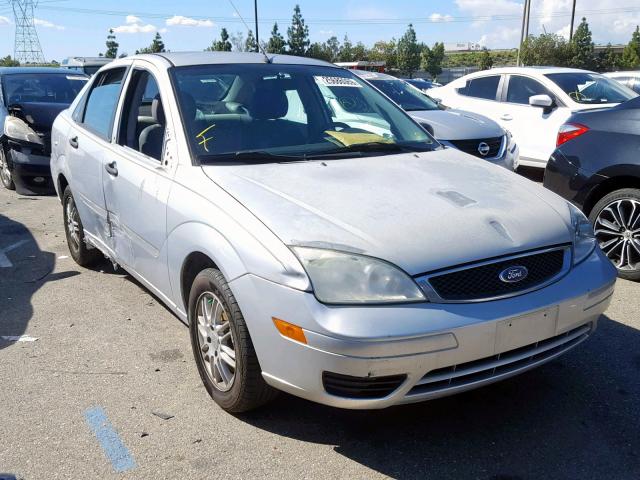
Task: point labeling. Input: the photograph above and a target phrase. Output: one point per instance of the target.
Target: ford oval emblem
(514, 274)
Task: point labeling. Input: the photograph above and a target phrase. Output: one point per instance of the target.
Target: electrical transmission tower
(27, 47)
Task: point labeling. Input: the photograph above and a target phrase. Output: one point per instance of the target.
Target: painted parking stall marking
(109, 440)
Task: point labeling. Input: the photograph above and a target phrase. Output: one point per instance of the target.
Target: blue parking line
(113, 448)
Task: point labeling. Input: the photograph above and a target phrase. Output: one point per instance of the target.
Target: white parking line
(4, 260)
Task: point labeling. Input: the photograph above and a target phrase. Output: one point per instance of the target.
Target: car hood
(421, 212)
(454, 124)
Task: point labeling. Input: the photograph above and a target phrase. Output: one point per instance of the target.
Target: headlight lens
(510, 141)
(348, 278)
(17, 129)
(584, 240)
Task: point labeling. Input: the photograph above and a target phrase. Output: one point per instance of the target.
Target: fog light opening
(290, 330)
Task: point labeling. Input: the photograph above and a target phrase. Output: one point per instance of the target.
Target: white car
(532, 102)
(628, 79)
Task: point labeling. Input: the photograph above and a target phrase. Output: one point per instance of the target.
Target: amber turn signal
(290, 330)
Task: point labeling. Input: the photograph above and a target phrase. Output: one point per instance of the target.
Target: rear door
(88, 138)
(480, 95)
(534, 128)
(138, 178)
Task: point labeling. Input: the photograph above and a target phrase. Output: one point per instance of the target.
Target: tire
(74, 231)
(213, 334)
(5, 173)
(616, 220)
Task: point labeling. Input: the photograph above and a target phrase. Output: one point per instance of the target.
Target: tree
(385, 52)
(431, 59)
(237, 40)
(222, 45)
(486, 62)
(360, 51)
(582, 44)
(546, 49)
(320, 51)
(298, 34)
(250, 44)
(607, 60)
(9, 62)
(631, 53)
(408, 52)
(346, 51)
(276, 41)
(333, 48)
(112, 45)
(157, 45)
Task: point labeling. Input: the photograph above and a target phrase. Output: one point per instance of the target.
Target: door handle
(506, 116)
(112, 168)
(73, 141)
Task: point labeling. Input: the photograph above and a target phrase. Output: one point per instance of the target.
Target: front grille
(360, 387)
(456, 377)
(471, 146)
(483, 282)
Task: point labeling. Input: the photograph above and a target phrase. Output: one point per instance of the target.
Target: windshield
(245, 112)
(405, 95)
(41, 87)
(591, 88)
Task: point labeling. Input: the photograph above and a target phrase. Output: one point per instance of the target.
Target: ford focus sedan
(351, 262)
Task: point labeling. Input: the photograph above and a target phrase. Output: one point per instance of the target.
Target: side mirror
(544, 101)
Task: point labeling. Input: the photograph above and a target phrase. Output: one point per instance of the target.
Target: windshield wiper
(252, 156)
(376, 147)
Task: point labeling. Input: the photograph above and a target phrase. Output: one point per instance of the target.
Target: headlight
(584, 240)
(510, 141)
(348, 278)
(16, 129)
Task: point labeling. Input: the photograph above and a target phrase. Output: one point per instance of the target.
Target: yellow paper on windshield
(353, 138)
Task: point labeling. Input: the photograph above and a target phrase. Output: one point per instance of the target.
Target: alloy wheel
(73, 227)
(617, 229)
(216, 341)
(4, 168)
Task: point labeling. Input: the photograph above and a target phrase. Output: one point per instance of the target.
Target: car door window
(521, 88)
(143, 121)
(101, 103)
(482, 87)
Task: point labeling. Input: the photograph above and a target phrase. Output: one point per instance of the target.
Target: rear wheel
(5, 173)
(223, 350)
(74, 231)
(616, 220)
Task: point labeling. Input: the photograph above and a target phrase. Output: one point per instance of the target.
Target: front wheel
(616, 221)
(5, 173)
(223, 350)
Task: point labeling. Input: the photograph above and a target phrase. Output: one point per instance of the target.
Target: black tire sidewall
(80, 253)
(624, 193)
(213, 281)
(11, 185)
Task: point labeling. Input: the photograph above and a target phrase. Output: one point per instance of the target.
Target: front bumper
(31, 171)
(425, 343)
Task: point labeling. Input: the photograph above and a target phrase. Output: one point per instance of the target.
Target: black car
(596, 166)
(30, 100)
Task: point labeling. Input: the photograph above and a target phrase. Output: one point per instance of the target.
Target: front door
(138, 178)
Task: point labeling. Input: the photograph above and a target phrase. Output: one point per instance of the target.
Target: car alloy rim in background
(4, 168)
(73, 226)
(216, 341)
(617, 228)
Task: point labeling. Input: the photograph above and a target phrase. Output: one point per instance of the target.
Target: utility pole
(525, 24)
(573, 16)
(27, 47)
(255, 10)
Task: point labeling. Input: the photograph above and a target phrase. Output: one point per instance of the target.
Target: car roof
(36, 70)
(537, 70)
(373, 75)
(184, 59)
(623, 73)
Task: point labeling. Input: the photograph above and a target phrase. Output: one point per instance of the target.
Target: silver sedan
(348, 260)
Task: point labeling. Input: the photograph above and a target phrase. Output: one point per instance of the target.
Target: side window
(101, 103)
(521, 88)
(483, 87)
(143, 122)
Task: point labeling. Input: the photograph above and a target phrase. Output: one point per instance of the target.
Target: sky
(79, 28)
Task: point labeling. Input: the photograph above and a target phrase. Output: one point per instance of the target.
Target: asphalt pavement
(97, 380)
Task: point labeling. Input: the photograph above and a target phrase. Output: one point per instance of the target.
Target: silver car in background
(470, 132)
(349, 261)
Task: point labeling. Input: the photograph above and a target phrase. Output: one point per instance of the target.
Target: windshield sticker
(204, 139)
(336, 81)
